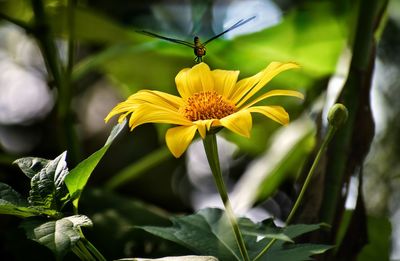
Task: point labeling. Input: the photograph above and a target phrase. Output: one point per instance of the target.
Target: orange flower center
(207, 105)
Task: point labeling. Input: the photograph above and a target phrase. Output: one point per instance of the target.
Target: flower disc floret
(206, 106)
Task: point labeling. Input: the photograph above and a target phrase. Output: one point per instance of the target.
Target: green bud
(337, 115)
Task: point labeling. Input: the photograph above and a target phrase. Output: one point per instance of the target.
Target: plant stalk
(211, 149)
(328, 137)
(41, 29)
(93, 250)
(86, 253)
(84, 248)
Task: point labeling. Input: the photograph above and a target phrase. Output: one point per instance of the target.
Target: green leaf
(303, 33)
(47, 186)
(31, 165)
(9, 195)
(290, 252)
(79, 176)
(266, 229)
(59, 235)
(116, 216)
(299, 252)
(12, 203)
(173, 258)
(86, 22)
(218, 239)
(208, 232)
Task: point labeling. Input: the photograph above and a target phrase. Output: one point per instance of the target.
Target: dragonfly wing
(166, 38)
(236, 25)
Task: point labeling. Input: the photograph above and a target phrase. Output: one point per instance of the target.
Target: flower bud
(337, 115)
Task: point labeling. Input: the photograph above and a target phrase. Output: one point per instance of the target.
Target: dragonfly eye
(196, 38)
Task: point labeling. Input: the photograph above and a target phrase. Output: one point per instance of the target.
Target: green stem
(78, 252)
(65, 96)
(93, 250)
(42, 31)
(327, 139)
(85, 249)
(139, 167)
(71, 39)
(87, 255)
(211, 149)
(265, 249)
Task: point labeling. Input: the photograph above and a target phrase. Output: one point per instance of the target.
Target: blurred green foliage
(316, 34)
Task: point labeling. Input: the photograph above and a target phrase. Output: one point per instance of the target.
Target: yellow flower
(208, 99)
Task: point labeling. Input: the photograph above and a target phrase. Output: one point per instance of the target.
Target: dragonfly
(199, 48)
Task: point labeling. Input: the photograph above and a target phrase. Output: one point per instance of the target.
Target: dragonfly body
(198, 47)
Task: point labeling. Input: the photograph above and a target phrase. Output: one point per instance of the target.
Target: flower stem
(78, 252)
(93, 250)
(327, 139)
(331, 131)
(86, 251)
(41, 29)
(265, 249)
(211, 149)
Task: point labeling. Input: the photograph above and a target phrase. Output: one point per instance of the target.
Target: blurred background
(62, 70)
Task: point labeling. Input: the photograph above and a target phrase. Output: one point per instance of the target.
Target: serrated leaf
(47, 186)
(30, 166)
(9, 195)
(79, 176)
(23, 212)
(12, 203)
(285, 251)
(203, 233)
(208, 232)
(173, 258)
(266, 229)
(59, 235)
(298, 252)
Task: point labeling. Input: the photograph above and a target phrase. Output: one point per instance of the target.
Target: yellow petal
(125, 107)
(243, 86)
(142, 97)
(274, 93)
(122, 117)
(158, 98)
(224, 81)
(276, 113)
(254, 84)
(203, 126)
(239, 122)
(182, 84)
(179, 138)
(194, 80)
(147, 113)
